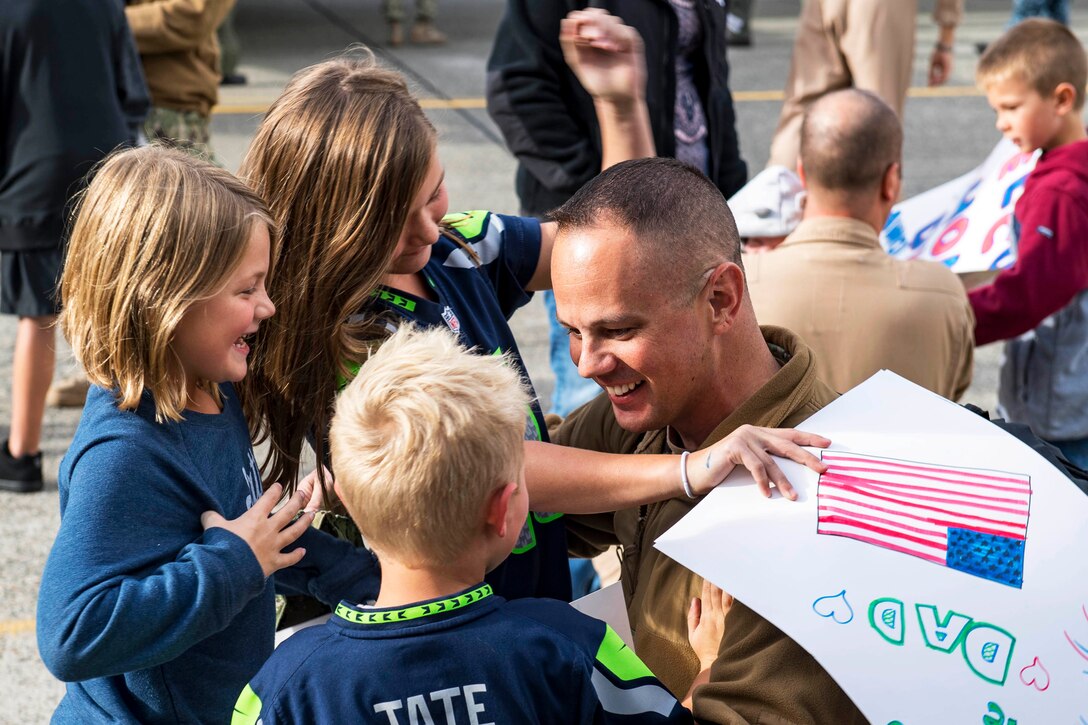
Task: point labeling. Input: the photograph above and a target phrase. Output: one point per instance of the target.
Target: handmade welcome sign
(936, 569)
(965, 223)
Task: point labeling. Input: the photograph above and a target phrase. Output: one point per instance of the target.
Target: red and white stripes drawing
(969, 519)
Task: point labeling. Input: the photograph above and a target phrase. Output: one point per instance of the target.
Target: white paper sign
(964, 223)
(938, 570)
(608, 605)
(283, 634)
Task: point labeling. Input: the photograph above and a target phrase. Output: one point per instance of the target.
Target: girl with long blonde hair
(156, 603)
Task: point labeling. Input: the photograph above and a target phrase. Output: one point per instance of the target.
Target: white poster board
(608, 605)
(994, 630)
(964, 223)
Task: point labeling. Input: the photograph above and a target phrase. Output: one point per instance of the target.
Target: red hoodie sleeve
(1051, 268)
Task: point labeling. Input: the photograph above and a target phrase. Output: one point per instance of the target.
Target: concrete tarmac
(947, 133)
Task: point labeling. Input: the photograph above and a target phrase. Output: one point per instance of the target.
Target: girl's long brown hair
(338, 158)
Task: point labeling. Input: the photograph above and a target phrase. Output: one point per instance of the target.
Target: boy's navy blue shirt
(148, 617)
(469, 658)
(475, 294)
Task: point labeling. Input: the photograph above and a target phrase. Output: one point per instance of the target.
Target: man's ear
(498, 503)
(1065, 97)
(892, 182)
(726, 294)
(801, 172)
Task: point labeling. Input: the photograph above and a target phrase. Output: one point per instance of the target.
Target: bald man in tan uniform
(830, 281)
(867, 44)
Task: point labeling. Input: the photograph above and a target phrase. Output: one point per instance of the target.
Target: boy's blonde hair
(339, 158)
(156, 231)
(1040, 52)
(421, 437)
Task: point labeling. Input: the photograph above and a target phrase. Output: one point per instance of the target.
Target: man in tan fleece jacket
(180, 54)
(647, 277)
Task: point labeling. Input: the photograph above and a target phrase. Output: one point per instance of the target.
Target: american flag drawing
(969, 519)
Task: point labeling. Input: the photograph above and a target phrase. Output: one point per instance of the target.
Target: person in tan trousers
(867, 44)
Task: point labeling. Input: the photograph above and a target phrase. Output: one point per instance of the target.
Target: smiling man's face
(633, 329)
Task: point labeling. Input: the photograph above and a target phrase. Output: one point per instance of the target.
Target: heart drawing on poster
(834, 607)
(1035, 675)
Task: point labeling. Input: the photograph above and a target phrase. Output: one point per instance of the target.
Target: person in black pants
(71, 89)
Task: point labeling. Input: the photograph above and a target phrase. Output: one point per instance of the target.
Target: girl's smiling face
(210, 341)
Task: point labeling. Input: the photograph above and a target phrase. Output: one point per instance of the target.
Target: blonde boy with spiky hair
(429, 452)
(1034, 77)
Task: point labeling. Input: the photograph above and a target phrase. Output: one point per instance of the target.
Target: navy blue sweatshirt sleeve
(119, 592)
(332, 571)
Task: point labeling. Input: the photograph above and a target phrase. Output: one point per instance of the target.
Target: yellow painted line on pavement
(749, 96)
(240, 109)
(16, 626)
(453, 103)
(252, 109)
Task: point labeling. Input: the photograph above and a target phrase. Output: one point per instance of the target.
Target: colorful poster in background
(936, 569)
(965, 223)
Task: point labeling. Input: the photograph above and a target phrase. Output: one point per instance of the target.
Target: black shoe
(233, 79)
(22, 474)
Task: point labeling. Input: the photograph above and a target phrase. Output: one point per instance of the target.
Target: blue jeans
(571, 389)
(1053, 9)
(583, 577)
(1075, 451)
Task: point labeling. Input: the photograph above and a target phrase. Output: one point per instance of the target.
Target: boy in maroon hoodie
(1034, 78)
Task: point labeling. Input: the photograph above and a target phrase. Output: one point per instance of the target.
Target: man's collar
(770, 405)
(842, 230)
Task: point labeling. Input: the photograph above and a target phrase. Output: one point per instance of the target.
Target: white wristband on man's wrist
(684, 475)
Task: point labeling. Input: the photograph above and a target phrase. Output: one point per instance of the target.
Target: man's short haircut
(1040, 52)
(849, 138)
(421, 437)
(680, 219)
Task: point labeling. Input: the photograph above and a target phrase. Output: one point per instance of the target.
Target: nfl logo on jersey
(451, 320)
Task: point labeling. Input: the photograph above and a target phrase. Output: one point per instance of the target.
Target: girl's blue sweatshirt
(148, 617)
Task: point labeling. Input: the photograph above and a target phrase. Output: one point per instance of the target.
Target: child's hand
(268, 533)
(706, 623)
(605, 55)
(313, 495)
(751, 446)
